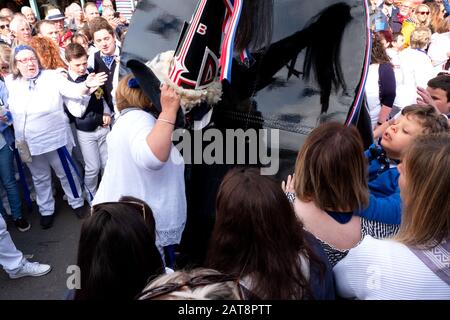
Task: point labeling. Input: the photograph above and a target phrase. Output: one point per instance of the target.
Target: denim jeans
(8, 181)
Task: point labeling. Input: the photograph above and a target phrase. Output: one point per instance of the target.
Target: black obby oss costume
(283, 66)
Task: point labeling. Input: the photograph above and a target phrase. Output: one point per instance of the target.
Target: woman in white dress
(144, 163)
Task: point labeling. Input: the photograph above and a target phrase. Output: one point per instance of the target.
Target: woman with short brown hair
(330, 183)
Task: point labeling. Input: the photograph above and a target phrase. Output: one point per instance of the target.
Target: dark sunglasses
(140, 207)
(424, 12)
(194, 282)
(3, 26)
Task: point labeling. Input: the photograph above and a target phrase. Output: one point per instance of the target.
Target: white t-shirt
(417, 70)
(133, 170)
(372, 89)
(400, 95)
(386, 269)
(438, 50)
(40, 110)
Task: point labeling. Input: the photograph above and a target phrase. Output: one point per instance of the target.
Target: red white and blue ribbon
(246, 57)
(233, 13)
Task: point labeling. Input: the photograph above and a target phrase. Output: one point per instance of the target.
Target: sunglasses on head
(140, 207)
(194, 282)
(3, 26)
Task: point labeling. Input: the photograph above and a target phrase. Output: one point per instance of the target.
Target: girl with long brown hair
(380, 84)
(258, 238)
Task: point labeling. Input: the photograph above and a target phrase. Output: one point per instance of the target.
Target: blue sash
(23, 181)
(66, 158)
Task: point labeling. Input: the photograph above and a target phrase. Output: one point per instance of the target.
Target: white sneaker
(32, 269)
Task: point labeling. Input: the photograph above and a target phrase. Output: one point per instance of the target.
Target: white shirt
(386, 269)
(400, 95)
(133, 170)
(417, 70)
(38, 114)
(74, 106)
(439, 48)
(372, 90)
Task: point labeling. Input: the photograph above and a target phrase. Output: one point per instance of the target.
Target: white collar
(74, 75)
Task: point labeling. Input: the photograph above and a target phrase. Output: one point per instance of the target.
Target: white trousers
(40, 168)
(10, 257)
(95, 153)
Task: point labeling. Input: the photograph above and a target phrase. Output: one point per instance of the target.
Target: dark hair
(99, 23)
(322, 58)
(117, 253)
(386, 35)
(86, 31)
(257, 234)
(255, 25)
(395, 35)
(441, 82)
(430, 120)
(379, 54)
(74, 51)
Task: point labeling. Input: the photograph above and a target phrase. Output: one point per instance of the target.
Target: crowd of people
(348, 223)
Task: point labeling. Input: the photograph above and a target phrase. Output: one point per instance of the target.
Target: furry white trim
(189, 98)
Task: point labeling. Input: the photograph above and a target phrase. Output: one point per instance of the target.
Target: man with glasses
(5, 31)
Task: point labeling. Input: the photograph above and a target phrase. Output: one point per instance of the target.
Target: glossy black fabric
(271, 93)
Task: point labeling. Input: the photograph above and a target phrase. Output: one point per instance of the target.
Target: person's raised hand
(288, 186)
(170, 101)
(95, 80)
(424, 97)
